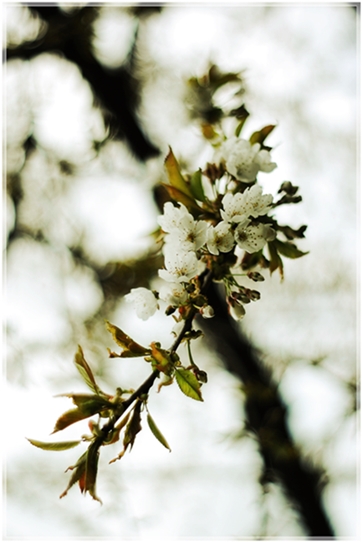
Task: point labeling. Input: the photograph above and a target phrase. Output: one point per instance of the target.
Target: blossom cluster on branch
(218, 225)
(199, 233)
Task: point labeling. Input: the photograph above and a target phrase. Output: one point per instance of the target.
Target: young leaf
(133, 427)
(188, 384)
(181, 197)
(55, 446)
(292, 234)
(114, 436)
(85, 371)
(275, 259)
(87, 406)
(129, 346)
(289, 250)
(161, 359)
(241, 114)
(174, 175)
(261, 135)
(157, 433)
(196, 185)
(208, 131)
(78, 474)
(68, 418)
(91, 470)
(88, 401)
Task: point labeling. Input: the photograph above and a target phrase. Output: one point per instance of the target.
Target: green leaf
(85, 371)
(188, 384)
(130, 347)
(241, 114)
(292, 234)
(261, 135)
(55, 446)
(157, 433)
(181, 197)
(174, 175)
(289, 250)
(196, 185)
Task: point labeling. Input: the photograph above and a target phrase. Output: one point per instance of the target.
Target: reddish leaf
(129, 346)
(92, 469)
(78, 474)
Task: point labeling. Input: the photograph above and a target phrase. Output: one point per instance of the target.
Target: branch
(145, 387)
(266, 418)
(115, 89)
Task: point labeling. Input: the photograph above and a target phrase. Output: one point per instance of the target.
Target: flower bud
(237, 311)
(254, 295)
(207, 311)
(255, 276)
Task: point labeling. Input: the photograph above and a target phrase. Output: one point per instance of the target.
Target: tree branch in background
(266, 416)
(116, 90)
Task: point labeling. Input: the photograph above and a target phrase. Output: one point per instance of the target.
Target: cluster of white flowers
(190, 245)
(188, 242)
(184, 236)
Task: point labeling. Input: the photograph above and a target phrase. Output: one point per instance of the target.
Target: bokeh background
(79, 208)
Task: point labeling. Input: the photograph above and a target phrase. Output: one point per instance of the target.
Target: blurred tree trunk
(266, 419)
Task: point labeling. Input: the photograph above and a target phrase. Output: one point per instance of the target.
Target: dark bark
(266, 414)
(115, 90)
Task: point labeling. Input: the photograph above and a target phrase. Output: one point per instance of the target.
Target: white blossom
(264, 160)
(174, 217)
(220, 238)
(235, 209)
(240, 206)
(144, 302)
(244, 160)
(173, 293)
(255, 202)
(253, 237)
(181, 266)
(191, 238)
(183, 230)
